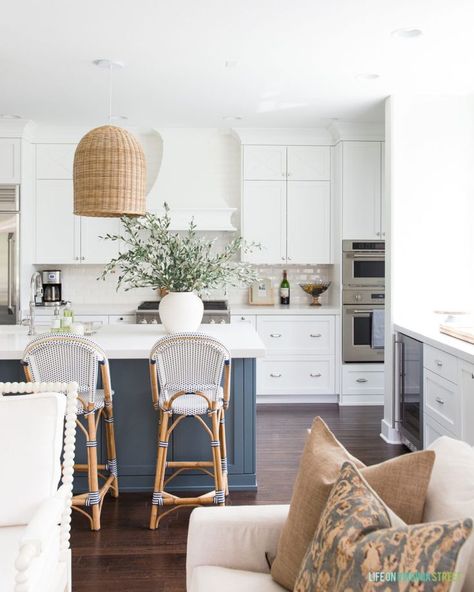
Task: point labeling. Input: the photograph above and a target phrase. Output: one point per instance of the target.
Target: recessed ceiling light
(118, 117)
(232, 118)
(9, 116)
(367, 76)
(407, 33)
(109, 64)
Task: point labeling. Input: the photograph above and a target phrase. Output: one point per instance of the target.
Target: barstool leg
(111, 450)
(216, 454)
(223, 451)
(157, 499)
(93, 478)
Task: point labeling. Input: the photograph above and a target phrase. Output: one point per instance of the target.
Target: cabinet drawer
(122, 319)
(365, 379)
(98, 319)
(250, 319)
(440, 363)
(442, 401)
(297, 334)
(432, 430)
(277, 376)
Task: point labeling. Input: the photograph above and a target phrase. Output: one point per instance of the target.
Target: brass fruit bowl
(315, 290)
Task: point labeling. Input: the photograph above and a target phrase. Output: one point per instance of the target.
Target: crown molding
(284, 136)
(341, 131)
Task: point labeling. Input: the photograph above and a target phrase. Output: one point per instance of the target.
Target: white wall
(432, 195)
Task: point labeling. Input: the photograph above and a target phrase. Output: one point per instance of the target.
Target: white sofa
(227, 546)
(34, 513)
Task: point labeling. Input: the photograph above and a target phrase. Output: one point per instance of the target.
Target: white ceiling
(297, 60)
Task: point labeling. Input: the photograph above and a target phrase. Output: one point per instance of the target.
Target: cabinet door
(264, 163)
(383, 209)
(264, 220)
(9, 160)
(309, 222)
(93, 248)
(54, 161)
(57, 229)
(309, 163)
(467, 397)
(361, 200)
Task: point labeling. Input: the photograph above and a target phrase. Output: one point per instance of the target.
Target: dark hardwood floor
(127, 557)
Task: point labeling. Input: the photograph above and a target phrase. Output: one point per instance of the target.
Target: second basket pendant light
(109, 169)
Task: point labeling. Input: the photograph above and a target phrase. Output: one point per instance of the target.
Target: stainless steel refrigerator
(9, 253)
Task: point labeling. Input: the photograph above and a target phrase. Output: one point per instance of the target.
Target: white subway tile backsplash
(81, 286)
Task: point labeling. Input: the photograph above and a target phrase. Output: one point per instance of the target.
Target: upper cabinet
(62, 237)
(54, 161)
(362, 190)
(264, 163)
(286, 203)
(10, 168)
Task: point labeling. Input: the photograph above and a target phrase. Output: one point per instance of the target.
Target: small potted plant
(185, 264)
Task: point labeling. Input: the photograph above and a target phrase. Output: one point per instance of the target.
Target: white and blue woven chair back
(65, 358)
(190, 362)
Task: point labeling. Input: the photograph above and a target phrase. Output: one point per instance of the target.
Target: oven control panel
(364, 296)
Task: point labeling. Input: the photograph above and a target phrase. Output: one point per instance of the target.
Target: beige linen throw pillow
(400, 482)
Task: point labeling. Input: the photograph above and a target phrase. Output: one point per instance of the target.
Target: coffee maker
(51, 279)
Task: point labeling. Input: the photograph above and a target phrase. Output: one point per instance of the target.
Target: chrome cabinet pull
(315, 374)
(275, 335)
(315, 334)
(439, 363)
(275, 375)
(362, 380)
(439, 400)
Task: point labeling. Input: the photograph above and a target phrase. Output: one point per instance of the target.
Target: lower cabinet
(249, 319)
(362, 384)
(300, 359)
(448, 396)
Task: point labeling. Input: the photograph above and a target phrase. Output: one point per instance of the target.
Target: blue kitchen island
(127, 347)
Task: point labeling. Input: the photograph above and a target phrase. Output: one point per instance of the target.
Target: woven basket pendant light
(109, 170)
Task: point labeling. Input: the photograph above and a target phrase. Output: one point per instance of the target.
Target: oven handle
(372, 255)
(356, 311)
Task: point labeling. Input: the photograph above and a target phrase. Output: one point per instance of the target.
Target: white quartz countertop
(426, 329)
(136, 341)
(292, 309)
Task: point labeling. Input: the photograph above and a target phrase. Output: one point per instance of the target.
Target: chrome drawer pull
(315, 334)
(439, 363)
(362, 380)
(275, 335)
(275, 375)
(439, 400)
(315, 374)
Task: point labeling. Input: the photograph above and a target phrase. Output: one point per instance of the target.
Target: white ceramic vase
(181, 312)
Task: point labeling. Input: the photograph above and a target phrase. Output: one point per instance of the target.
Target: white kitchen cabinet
(55, 161)
(432, 430)
(362, 190)
(466, 382)
(93, 248)
(264, 220)
(10, 168)
(57, 229)
(62, 237)
(300, 356)
(309, 222)
(309, 163)
(264, 163)
(362, 384)
(248, 319)
(286, 203)
(125, 319)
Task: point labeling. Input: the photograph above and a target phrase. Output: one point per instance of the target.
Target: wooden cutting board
(463, 333)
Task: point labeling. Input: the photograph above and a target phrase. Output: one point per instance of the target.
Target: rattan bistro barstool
(66, 358)
(190, 377)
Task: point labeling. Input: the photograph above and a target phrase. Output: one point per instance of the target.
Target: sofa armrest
(234, 536)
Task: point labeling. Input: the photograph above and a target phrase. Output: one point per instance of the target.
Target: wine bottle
(285, 289)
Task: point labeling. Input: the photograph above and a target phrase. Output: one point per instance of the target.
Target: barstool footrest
(188, 464)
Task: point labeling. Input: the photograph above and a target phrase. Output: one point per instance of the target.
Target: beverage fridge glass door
(8, 268)
(411, 389)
